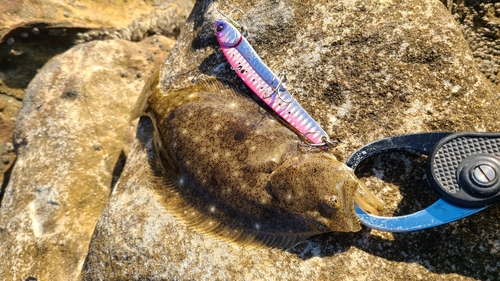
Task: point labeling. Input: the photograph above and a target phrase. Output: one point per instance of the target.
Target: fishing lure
(265, 84)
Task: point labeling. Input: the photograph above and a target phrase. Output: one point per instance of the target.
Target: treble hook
(280, 95)
(230, 17)
(323, 146)
(311, 146)
(282, 81)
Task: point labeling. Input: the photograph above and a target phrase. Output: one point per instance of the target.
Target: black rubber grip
(464, 169)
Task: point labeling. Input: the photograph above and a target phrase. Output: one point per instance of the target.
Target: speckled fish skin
(226, 167)
(262, 81)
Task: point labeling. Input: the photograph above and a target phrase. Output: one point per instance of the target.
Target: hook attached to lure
(231, 20)
(264, 83)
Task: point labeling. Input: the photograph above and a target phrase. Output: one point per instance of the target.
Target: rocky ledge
(364, 69)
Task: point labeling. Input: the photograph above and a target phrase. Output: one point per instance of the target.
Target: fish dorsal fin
(224, 86)
(149, 88)
(211, 84)
(162, 180)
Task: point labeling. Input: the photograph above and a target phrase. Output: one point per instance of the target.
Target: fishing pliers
(463, 169)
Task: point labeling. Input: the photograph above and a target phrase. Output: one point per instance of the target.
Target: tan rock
(7, 155)
(365, 70)
(84, 12)
(71, 137)
(32, 32)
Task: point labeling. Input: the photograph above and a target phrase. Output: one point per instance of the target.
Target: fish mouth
(367, 201)
(352, 220)
(364, 198)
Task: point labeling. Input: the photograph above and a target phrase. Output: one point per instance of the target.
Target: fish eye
(333, 199)
(220, 27)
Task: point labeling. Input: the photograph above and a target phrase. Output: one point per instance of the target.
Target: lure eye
(220, 27)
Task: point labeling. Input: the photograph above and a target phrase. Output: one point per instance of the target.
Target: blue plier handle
(463, 168)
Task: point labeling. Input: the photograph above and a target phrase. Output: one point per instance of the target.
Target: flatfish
(225, 166)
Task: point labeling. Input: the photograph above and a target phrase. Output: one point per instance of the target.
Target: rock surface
(72, 137)
(32, 32)
(7, 154)
(83, 12)
(365, 70)
(480, 22)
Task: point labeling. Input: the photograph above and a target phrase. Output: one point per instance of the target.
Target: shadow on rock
(197, 11)
(27, 47)
(117, 171)
(216, 65)
(205, 37)
(5, 182)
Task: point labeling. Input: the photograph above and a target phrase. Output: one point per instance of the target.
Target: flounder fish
(223, 165)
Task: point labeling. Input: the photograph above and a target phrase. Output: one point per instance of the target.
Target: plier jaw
(463, 168)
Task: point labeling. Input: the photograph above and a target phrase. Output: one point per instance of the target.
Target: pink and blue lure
(265, 84)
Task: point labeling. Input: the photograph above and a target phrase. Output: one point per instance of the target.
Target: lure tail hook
(323, 146)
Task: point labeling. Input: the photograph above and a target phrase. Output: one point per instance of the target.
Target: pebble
(5, 159)
(9, 147)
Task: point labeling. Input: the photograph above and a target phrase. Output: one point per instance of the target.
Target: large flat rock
(72, 137)
(363, 69)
